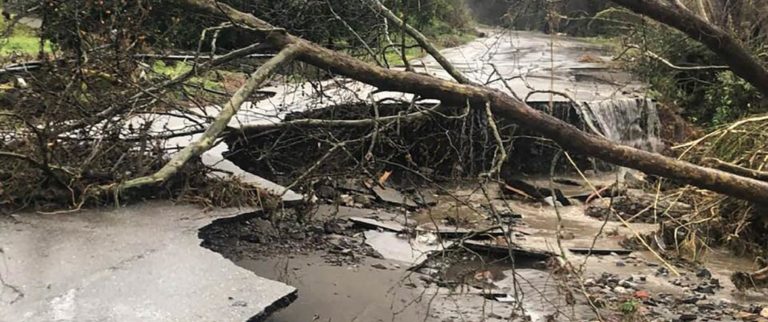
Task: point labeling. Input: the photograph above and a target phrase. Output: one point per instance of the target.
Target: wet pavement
(135, 263)
(533, 61)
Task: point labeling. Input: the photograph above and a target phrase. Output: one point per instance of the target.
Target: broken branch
(738, 58)
(205, 142)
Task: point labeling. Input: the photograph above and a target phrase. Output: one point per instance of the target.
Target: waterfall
(633, 122)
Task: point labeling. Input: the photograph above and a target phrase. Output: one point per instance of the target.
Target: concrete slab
(137, 263)
(413, 252)
(393, 196)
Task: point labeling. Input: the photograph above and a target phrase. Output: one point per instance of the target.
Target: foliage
(707, 96)
(732, 99)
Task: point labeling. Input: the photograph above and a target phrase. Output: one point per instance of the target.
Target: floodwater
(342, 293)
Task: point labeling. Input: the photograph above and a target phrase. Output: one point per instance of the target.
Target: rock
(764, 312)
(621, 263)
(628, 284)
(642, 295)
(347, 200)
(687, 317)
(638, 278)
(691, 299)
(662, 271)
(326, 192)
(363, 200)
(746, 316)
(337, 226)
(706, 288)
(552, 202)
(379, 266)
(621, 290)
(703, 273)
(589, 282)
(706, 305)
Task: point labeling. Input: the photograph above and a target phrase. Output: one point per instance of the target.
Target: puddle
(342, 293)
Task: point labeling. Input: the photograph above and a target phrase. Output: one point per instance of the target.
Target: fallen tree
(502, 105)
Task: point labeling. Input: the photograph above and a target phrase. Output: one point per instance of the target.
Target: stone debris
(393, 196)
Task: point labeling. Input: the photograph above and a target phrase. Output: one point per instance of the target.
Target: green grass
(21, 45)
(611, 43)
(179, 68)
(395, 59)
(21, 40)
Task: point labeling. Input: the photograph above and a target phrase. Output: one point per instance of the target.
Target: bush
(707, 97)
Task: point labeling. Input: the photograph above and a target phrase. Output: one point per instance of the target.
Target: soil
(254, 236)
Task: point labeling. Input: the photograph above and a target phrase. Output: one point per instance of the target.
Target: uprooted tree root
(442, 143)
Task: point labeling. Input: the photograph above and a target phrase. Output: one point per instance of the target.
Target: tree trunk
(502, 105)
(730, 50)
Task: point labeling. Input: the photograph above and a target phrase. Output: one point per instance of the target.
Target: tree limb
(114, 110)
(210, 135)
(736, 169)
(673, 66)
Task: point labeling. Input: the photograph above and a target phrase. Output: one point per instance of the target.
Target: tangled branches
(742, 148)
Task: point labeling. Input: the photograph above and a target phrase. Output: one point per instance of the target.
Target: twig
(736, 169)
(673, 66)
(499, 142)
(423, 42)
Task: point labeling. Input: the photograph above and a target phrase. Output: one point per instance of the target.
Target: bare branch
(423, 42)
(206, 141)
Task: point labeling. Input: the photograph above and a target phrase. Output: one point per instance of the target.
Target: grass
(20, 45)
(172, 71)
(22, 40)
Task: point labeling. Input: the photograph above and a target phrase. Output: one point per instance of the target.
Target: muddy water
(342, 293)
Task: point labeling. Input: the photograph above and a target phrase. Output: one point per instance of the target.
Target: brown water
(366, 293)
(342, 293)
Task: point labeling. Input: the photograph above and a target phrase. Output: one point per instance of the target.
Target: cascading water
(633, 122)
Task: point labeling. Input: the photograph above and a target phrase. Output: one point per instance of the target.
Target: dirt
(254, 236)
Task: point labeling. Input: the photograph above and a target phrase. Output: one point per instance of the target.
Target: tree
(502, 106)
